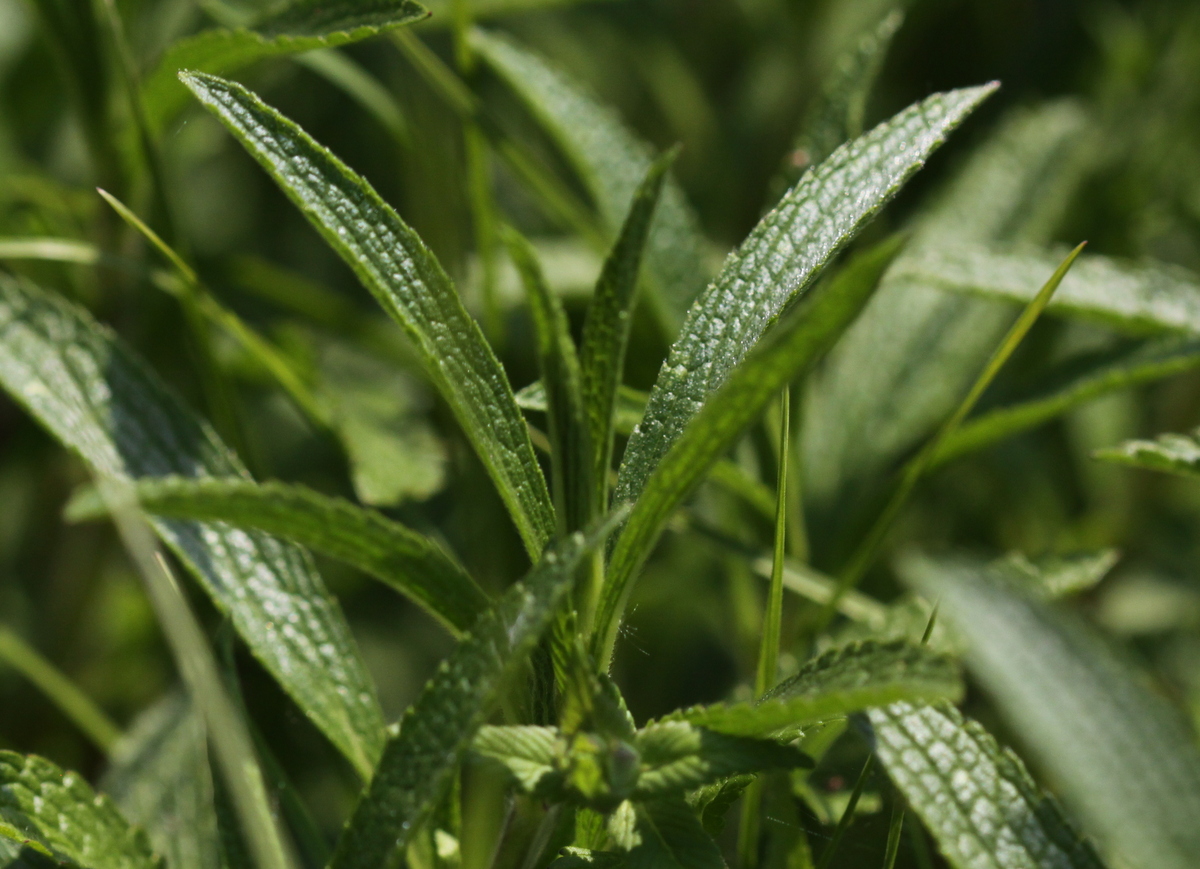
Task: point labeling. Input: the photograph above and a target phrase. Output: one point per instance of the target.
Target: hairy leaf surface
(976, 798)
(419, 761)
(407, 561)
(778, 261)
(101, 402)
(59, 814)
(407, 280)
(527, 751)
(1120, 755)
(612, 162)
(841, 681)
(782, 356)
(301, 26)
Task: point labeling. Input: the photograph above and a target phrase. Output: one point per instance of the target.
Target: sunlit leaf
(410, 284)
(1173, 453)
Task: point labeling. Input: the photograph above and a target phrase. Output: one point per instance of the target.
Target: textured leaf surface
(300, 26)
(407, 561)
(1071, 385)
(779, 260)
(1172, 453)
(1119, 754)
(1134, 296)
(786, 353)
(976, 798)
(670, 835)
(906, 363)
(526, 751)
(410, 284)
(59, 813)
(841, 681)
(98, 400)
(678, 756)
(612, 162)
(161, 780)
(435, 733)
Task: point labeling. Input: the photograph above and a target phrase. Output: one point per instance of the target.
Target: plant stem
(895, 830)
(847, 816)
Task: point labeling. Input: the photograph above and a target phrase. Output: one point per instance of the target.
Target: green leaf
(571, 449)
(628, 408)
(419, 761)
(778, 262)
(907, 361)
(1057, 576)
(612, 162)
(781, 357)
(582, 858)
(407, 561)
(57, 813)
(442, 10)
(1130, 296)
(160, 778)
(1071, 385)
(678, 756)
(836, 115)
(609, 319)
(527, 751)
(1173, 453)
(670, 836)
(410, 284)
(839, 682)
(976, 798)
(101, 402)
(1119, 754)
(301, 26)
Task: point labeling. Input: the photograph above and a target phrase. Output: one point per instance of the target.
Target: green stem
(895, 829)
(847, 816)
(61, 691)
(865, 555)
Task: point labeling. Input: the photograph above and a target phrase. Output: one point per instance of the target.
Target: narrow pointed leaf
(419, 761)
(301, 26)
(977, 799)
(101, 402)
(410, 284)
(778, 261)
(784, 355)
(676, 756)
(570, 445)
(407, 561)
(1130, 296)
(612, 162)
(609, 319)
(57, 813)
(1172, 453)
(1120, 755)
(1074, 384)
(160, 779)
(850, 679)
(628, 408)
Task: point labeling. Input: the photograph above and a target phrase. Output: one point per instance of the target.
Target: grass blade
(841, 681)
(419, 762)
(407, 561)
(863, 557)
(1071, 385)
(101, 402)
(611, 162)
(609, 319)
(60, 690)
(58, 814)
(936, 758)
(778, 261)
(1121, 756)
(410, 284)
(231, 741)
(301, 26)
(782, 356)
